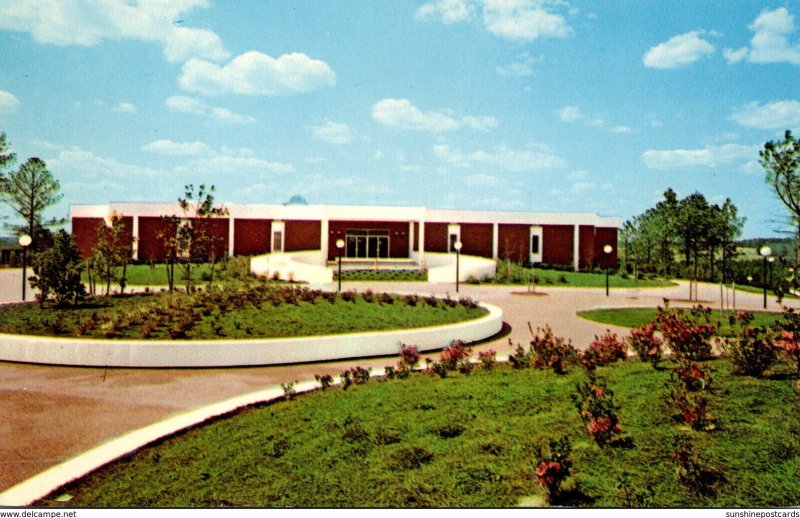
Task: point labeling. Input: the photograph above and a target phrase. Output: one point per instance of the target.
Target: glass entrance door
(367, 244)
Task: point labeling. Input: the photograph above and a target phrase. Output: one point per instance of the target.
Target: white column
(422, 264)
(135, 236)
(576, 248)
(410, 238)
(231, 239)
(323, 241)
(495, 241)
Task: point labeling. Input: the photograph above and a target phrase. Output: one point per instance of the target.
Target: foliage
(647, 345)
(29, 191)
(190, 237)
(781, 162)
(789, 339)
(488, 359)
(692, 468)
(754, 350)
(603, 350)
(597, 409)
(688, 391)
(550, 351)
(688, 334)
(324, 380)
(506, 413)
(57, 272)
(554, 466)
(259, 310)
(112, 253)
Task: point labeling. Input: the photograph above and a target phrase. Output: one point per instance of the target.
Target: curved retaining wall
(293, 266)
(221, 353)
(442, 267)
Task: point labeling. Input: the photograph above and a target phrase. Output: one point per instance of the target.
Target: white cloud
(181, 103)
(400, 113)
(331, 132)
(523, 67)
(170, 148)
(678, 51)
(254, 73)
(515, 160)
(570, 114)
(774, 115)
(770, 43)
(238, 164)
(125, 107)
(522, 20)
(86, 165)
(89, 23)
(710, 156)
(8, 102)
(446, 11)
(622, 129)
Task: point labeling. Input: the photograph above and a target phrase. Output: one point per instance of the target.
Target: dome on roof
(297, 199)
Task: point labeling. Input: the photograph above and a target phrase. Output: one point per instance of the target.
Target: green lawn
(156, 274)
(512, 273)
(637, 317)
(464, 441)
(260, 311)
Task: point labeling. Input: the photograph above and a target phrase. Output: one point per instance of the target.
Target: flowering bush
(687, 335)
(554, 466)
(324, 380)
(647, 345)
(409, 356)
(688, 394)
(454, 355)
(550, 351)
(603, 350)
(789, 340)
(597, 409)
(354, 376)
(753, 352)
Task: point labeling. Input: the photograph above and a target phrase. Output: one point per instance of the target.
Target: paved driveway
(49, 414)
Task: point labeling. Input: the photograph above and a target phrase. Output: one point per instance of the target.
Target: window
(534, 245)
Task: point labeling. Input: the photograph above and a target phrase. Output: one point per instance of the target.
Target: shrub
(349, 296)
(597, 409)
(689, 385)
(324, 380)
(354, 376)
(550, 351)
(753, 352)
(57, 271)
(455, 355)
(488, 359)
(520, 358)
(646, 344)
(687, 335)
(604, 349)
(554, 466)
(368, 296)
(409, 356)
(692, 468)
(288, 390)
(789, 341)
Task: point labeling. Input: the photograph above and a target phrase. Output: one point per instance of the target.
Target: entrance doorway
(367, 244)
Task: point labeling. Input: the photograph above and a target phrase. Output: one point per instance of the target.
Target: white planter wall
(222, 353)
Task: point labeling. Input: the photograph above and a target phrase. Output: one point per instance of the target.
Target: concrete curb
(222, 353)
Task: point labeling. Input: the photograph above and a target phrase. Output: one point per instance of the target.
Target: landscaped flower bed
(257, 311)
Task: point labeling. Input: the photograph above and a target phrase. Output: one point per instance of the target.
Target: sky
(543, 105)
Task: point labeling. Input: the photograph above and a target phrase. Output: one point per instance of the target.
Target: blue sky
(543, 105)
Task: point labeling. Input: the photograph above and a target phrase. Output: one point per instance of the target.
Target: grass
(230, 315)
(637, 317)
(382, 275)
(156, 274)
(464, 441)
(515, 274)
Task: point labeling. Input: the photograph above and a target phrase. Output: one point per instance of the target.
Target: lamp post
(607, 250)
(457, 245)
(765, 252)
(24, 242)
(339, 247)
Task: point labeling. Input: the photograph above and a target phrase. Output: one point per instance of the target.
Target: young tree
(193, 239)
(57, 271)
(28, 191)
(112, 250)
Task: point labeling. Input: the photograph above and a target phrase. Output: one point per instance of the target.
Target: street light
(765, 252)
(339, 247)
(24, 242)
(457, 245)
(608, 249)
